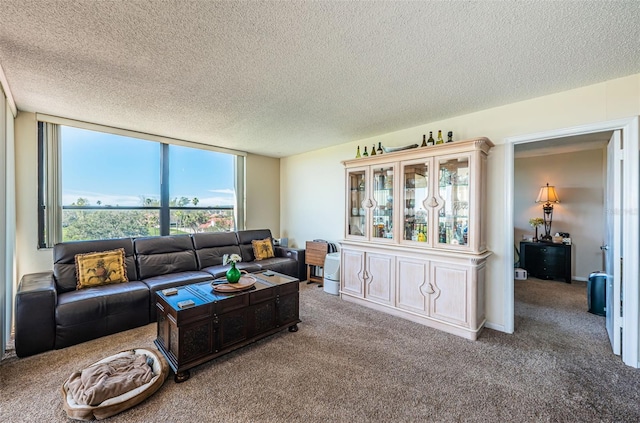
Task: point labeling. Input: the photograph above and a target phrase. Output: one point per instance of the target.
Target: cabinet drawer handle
(426, 289)
(432, 202)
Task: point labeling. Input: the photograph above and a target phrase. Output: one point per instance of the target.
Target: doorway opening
(629, 183)
(555, 290)
(576, 167)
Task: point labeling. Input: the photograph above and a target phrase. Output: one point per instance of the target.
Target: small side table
(546, 260)
(314, 254)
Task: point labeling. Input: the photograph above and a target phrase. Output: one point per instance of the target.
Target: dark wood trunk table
(218, 322)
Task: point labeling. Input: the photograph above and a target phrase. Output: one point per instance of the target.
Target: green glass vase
(233, 274)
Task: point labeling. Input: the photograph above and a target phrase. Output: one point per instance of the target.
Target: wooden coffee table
(218, 323)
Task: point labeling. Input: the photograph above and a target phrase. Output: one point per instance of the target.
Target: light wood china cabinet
(414, 241)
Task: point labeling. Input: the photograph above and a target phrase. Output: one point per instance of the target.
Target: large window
(98, 185)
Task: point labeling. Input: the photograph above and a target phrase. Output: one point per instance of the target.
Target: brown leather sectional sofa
(51, 313)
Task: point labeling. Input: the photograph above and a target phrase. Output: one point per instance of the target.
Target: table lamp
(547, 195)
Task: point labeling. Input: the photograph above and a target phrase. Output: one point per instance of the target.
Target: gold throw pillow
(102, 268)
(262, 249)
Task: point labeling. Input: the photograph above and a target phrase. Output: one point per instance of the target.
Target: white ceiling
(281, 78)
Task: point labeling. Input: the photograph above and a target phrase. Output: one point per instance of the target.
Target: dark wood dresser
(218, 323)
(546, 260)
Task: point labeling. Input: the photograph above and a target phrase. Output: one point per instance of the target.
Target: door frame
(631, 222)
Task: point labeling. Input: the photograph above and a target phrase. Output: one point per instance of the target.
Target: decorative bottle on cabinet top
(440, 140)
(431, 141)
(379, 148)
(358, 153)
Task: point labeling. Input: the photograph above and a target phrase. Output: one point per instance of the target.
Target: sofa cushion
(212, 246)
(64, 264)
(103, 268)
(245, 238)
(287, 266)
(164, 255)
(262, 248)
(98, 311)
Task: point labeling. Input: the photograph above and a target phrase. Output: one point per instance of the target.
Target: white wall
(263, 193)
(312, 195)
(263, 197)
(30, 259)
(579, 181)
(312, 184)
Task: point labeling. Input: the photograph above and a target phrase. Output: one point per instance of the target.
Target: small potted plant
(233, 274)
(535, 222)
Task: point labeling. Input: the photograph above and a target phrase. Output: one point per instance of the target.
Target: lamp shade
(547, 194)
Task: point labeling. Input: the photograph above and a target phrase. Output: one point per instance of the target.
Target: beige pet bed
(73, 388)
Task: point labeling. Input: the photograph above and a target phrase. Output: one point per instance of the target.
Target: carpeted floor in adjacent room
(351, 364)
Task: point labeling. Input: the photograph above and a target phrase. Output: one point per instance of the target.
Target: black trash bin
(597, 293)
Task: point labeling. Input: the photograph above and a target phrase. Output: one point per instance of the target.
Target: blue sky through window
(204, 174)
(119, 171)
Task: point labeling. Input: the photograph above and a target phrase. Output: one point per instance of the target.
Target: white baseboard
(579, 278)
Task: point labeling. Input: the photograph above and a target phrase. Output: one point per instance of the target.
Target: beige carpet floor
(351, 364)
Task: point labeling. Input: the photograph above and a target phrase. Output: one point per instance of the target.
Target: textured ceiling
(281, 78)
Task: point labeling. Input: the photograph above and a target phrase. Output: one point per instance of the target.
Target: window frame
(49, 178)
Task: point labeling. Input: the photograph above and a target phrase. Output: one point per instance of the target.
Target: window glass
(108, 170)
(110, 186)
(79, 224)
(200, 178)
(101, 170)
(193, 221)
(202, 182)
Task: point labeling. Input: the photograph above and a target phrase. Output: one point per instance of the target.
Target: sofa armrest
(35, 328)
(296, 254)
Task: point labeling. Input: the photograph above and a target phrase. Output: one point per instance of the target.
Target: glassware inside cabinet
(357, 216)
(416, 191)
(383, 200)
(453, 188)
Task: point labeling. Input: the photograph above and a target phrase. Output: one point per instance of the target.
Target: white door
(612, 246)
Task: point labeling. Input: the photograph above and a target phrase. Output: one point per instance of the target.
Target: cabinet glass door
(415, 186)
(453, 189)
(383, 207)
(356, 215)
